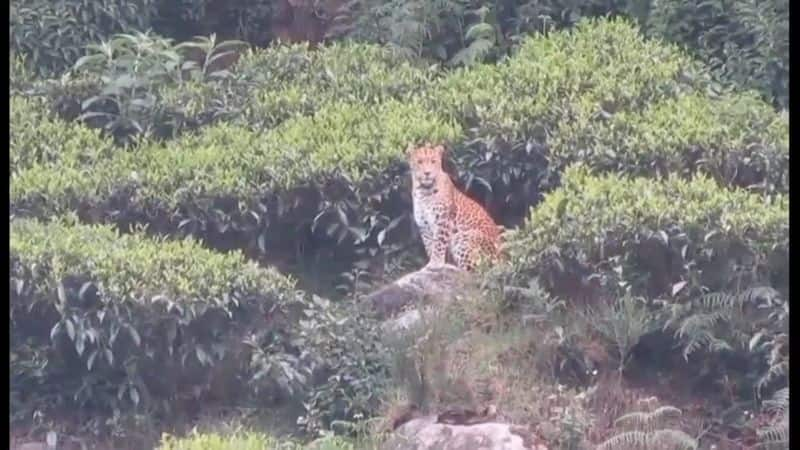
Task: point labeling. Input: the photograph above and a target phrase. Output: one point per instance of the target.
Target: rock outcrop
(398, 303)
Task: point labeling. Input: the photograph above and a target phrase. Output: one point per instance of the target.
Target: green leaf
(134, 394)
(754, 341)
(54, 331)
(677, 287)
(480, 31)
(134, 335)
(62, 293)
(70, 329)
(90, 360)
(84, 288)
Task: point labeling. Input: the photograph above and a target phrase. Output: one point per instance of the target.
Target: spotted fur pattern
(454, 227)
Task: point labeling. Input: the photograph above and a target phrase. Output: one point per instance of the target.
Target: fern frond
(718, 300)
(700, 321)
(721, 300)
(648, 421)
(775, 434)
(701, 339)
(473, 53)
(628, 439)
(481, 30)
(673, 439)
(779, 403)
(774, 372)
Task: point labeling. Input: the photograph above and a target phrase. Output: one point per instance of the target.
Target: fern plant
(776, 434)
(776, 347)
(649, 430)
(623, 323)
(722, 321)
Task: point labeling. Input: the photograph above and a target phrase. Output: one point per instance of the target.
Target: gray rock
(425, 434)
(398, 302)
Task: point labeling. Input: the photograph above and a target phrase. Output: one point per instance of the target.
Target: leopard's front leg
(435, 239)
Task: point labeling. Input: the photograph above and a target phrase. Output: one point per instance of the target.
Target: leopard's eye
(419, 161)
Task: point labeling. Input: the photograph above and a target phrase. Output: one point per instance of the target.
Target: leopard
(454, 228)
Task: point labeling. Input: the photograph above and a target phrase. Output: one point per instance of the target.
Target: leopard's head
(426, 164)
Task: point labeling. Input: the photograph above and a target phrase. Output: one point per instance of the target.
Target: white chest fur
(424, 213)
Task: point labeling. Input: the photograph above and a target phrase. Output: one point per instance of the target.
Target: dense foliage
(248, 441)
(651, 201)
(660, 232)
(311, 157)
(111, 322)
(745, 42)
(53, 34)
(641, 257)
(122, 321)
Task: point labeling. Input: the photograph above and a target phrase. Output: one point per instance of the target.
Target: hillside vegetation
(195, 236)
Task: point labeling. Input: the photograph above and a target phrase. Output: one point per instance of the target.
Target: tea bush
(53, 34)
(37, 138)
(737, 139)
(554, 101)
(704, 265)
(248, 441)
(599, 64)
(652, 235)
(230, 184)
(744, 42)
(122, 322)
(554, 92)
(214, 441)
(227, 161)
(304, 152)
(282, 81)
(154, 87)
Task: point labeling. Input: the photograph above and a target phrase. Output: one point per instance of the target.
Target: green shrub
(303, 150)
(247, 441)
(649, 233)
(340, 141)
(745, 42)
(603, 94)
(598, 65)
(512, 112)
(356, 365)
(95, 315)
(283, 81)
(463, 33)
(213, 441)
(131, 66)
(739, 140)
(39, 139)
(120, 322)
(20, 77)
(53, 34)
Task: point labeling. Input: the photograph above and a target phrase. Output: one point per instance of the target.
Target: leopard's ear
(441, 150)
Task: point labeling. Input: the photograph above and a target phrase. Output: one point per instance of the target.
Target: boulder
(398, 303)
(426, 433)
